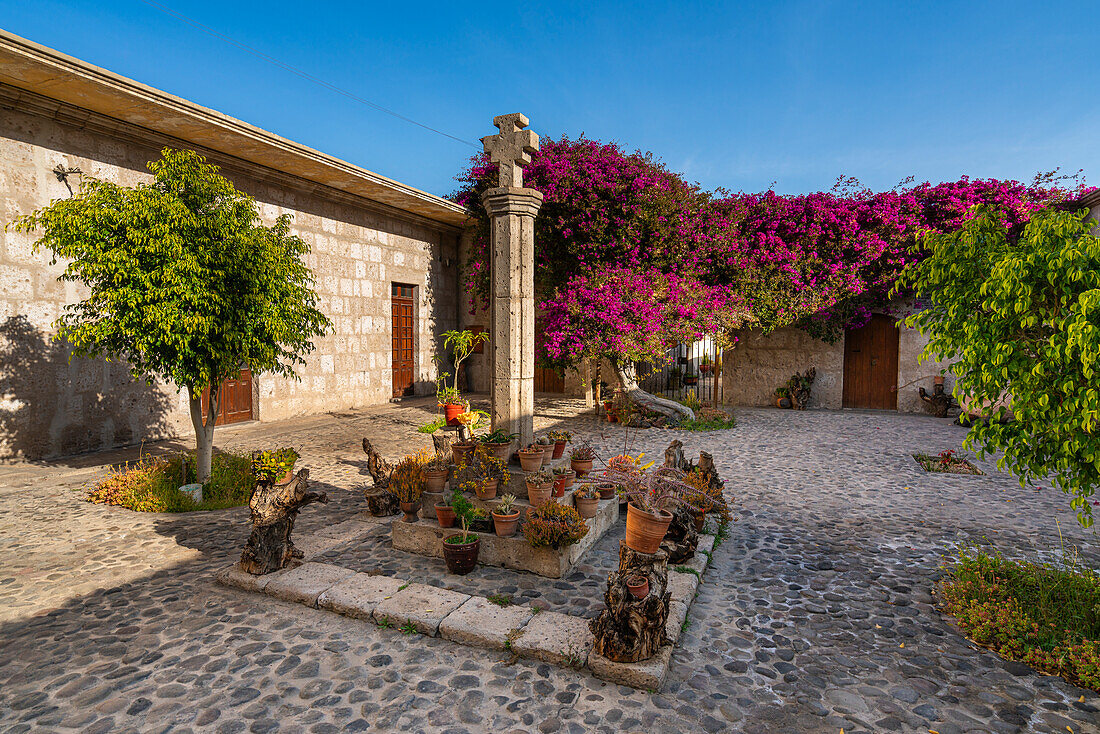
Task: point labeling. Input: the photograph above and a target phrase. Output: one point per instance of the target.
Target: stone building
(384, 256)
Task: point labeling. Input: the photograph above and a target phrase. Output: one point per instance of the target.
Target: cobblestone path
(816, 614)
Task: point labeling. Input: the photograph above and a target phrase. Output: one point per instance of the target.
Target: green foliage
(498, 436)
(501, 600)
(152, 484)
(432, 426)
(554, 526)
(709, 419)
(1018, 318)
(407, 477)
(946, 462)
(271, 466)
(462, 345)
(1046, 615)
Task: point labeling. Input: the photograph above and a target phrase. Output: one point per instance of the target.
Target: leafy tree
(1015, 311)
(186, 283)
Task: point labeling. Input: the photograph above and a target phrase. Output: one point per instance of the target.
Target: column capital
(505, 200)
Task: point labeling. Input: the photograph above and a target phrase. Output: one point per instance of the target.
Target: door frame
(396, 288)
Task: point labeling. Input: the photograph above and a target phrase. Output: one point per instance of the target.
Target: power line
(294, 70)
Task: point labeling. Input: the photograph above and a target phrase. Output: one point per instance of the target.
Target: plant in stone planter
(460, 551)
(650, 496)
(499, 443)
(587, 500)
(274, 466)
(530, 457)
(506, 516)
(540, 486)
(581, 458)
(554, 526)
(407, 484)
(560, 438)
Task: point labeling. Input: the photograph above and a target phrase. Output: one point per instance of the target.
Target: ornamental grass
(1043, 614)
(151, 484)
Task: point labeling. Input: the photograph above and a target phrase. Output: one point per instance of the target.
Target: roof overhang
(36, 68)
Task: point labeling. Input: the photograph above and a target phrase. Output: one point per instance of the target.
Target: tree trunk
(629, 379)
(682, 538)
(204, 432)
(380, 501)
(274, 508)
(632, 629)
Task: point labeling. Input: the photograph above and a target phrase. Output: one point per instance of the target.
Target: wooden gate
(234, 400)
(871, 365)
(546, 379)
(402, 297)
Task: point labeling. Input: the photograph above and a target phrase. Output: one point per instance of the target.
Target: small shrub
(1045, 615)
(152, 484)
(407, 478)
(273, 465)
(709, 419)
(554, 526)
(946, 461)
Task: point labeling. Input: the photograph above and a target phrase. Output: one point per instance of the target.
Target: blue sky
(738, 95)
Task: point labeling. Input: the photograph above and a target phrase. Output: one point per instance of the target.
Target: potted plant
(650, 495)
(499, 443)
(436, 471)
(461, 450)
(460, 551)
(506, 516)
(564, 476)
(638, 586)
(581, 458)
(560, 438)
(540, 486)
(407, 484)
(705, 365)
(530, 458)
(553, 526)
(783, 397)
(587, 500)
(444, 512)
(275, 466)
(690, 378)
(547, 446)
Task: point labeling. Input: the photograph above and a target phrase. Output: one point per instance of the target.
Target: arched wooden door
(871, 365)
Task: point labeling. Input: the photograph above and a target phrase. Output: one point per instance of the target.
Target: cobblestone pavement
(816, 614)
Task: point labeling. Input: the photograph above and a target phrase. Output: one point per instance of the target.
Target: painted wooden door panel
(871, 365)
(402, 298)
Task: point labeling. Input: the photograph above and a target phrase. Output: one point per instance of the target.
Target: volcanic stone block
(306, 582)
(555, 638)
(647, 674)
(241, 579)
(481, 623)
(358, 595)
(677, 613)
(424, 606)
(682, 585)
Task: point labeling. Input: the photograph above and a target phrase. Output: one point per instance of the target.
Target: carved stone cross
(511, 148)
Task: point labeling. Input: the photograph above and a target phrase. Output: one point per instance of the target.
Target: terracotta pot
(502, 451)
(505, 525)
(287, 477)
(559, 486)
(446, 515)
(612, 419)
(461, 558)
(638, 586)
(690, 380)
(451, 413)
(607, 491)
(645, 530)
(530, 460)
(784, 402)
(459, 451)
(487, 490)
(547, 453)
(559, 449)
(569, 477)
(435, 481)
(705, 369)
(586, 506)
(937, 380)
(539, 495)
(581, 467)
(411, 510)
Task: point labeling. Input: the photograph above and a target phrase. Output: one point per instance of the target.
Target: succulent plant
(506, 505)
(540, 477)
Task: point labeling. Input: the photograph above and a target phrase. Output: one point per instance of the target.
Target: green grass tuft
(152, 484)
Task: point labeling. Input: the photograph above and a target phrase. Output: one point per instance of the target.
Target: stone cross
(511, 148)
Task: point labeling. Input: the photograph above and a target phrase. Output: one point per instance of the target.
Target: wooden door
(546, 379)
(234, 399)
(402, 297)
(871, 365)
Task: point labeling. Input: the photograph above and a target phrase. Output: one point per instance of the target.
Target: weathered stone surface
(682, 585)
(235, 576)
(677, 613)
(357, 595)
(306, 582)
(555, 638)
(647, 674)
(481, 623)
(424, 606)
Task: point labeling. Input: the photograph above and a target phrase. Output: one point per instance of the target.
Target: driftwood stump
(274, 508)
(380, 501)
(632, 629)
(682, 538)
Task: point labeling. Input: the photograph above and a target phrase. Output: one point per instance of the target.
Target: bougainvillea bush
(631, 258)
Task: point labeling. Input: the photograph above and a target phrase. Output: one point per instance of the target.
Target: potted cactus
(506, 516)
(436, 472)
(540, 486)
(499, 443)
(587, 501)
(563, 479)
(444, 512)
(547, 447)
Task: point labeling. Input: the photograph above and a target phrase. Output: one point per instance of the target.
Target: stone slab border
(528, 632)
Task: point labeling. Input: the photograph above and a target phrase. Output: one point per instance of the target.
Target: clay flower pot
(539, 495)
(411, 510)
(638, 586)
(461, 558)
(530, 460)
(784, 402)
(487, 490)
(460, 450)
(559, 486)
(547, 453)
(505, 525)
(435, 481)
(451, 413)
(645, 530)
(586, 506)
(569, 477)
(559, 449)
(607, 491)
(581, 467)
(446, 515)
(704, 369)
(502, 451)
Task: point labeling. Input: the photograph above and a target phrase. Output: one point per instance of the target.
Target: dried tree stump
(380, 501)
(632, 629)
(274, 508)
(682, 538)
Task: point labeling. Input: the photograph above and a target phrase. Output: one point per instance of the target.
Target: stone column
(512, 209)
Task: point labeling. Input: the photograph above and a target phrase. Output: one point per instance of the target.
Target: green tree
(186, 283)
(1016, 314)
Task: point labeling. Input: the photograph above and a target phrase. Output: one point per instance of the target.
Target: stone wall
(50, 407)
